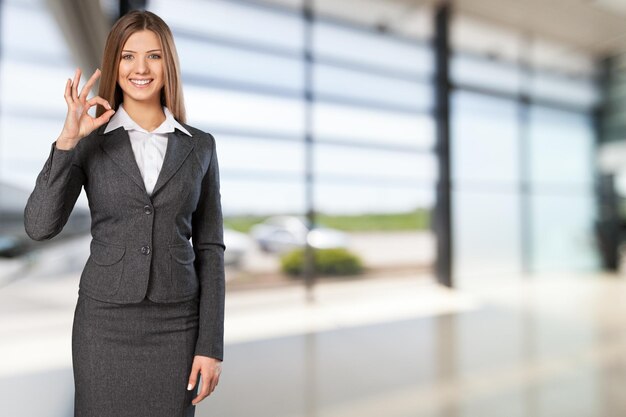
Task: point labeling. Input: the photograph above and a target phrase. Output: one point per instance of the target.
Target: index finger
(87, 87)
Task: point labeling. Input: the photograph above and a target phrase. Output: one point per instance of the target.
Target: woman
(149, 317)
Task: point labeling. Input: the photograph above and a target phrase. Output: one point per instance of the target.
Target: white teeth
(140, 82)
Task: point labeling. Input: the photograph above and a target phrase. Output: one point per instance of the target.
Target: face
(141, 69)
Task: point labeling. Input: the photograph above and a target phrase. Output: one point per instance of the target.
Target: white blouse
(149, 147)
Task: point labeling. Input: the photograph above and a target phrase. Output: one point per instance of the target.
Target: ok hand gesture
(78, 122)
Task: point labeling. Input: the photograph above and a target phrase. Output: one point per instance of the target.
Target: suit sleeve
(57, 188)
(208, 243)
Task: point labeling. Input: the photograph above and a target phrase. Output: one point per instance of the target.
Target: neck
(147, 115)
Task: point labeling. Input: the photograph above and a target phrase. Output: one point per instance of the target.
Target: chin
(142, 97)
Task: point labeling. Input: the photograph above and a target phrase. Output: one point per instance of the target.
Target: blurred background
(424, 202)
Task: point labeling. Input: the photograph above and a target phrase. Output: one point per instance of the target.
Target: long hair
(135, 21)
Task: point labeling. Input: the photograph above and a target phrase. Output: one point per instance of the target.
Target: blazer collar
(122, 118)
(116, 144)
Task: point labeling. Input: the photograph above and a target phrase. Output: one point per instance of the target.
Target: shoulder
(205, 144)
(200, 135)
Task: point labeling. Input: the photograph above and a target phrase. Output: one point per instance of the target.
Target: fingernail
(108, 106)
(189, 387)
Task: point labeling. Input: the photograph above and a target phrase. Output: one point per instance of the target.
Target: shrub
(327, 262)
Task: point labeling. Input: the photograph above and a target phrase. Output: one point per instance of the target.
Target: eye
(126, 56)
(156, 55)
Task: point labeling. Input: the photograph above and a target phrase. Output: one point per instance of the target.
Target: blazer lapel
(117, 146)
(179, 146)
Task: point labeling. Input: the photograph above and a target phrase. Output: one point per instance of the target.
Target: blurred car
(237, 244)
(279, 234)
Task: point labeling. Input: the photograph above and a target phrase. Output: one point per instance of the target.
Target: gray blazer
(140, 243)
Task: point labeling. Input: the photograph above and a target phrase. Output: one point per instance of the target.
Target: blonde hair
(135, 21)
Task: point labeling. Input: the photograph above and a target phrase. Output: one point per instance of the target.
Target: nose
(140, 66)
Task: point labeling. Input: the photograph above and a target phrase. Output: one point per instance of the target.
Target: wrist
(65, 144)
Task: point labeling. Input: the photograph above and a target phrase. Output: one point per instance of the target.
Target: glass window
(248, 196)
(223, 63)
(46, 97)
(485, 141)
(32, 83)
(473, 71)
(487, 236)
(234, 21)
(241, 111)
(371, 49)
(572, 91)
(243, 156)
(563, 232)
(554, 134)
(354, 124)
(338, 82)
(17, 39)
(356, 198)
(333, 161)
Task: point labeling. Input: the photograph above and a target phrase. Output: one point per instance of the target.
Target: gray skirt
(133, 359)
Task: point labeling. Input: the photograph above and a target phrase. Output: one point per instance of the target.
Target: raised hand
(78, 122)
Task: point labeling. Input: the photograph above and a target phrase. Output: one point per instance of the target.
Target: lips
(141, 83)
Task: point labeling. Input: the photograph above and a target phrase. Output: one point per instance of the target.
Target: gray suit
(140, 243)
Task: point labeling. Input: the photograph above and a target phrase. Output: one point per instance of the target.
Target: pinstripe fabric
(133, 360)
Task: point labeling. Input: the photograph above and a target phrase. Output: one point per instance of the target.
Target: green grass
(242, 223)
(327, 262)
(415, 220)
(418, 219)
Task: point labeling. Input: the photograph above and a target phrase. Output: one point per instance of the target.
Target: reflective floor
(556, 347)
(385, 347)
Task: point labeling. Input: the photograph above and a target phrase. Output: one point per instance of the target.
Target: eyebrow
(128, 50)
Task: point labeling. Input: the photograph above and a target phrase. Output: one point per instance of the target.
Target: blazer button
(145, 250)
(147, 209)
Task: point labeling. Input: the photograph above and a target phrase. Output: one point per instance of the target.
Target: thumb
(193, 378)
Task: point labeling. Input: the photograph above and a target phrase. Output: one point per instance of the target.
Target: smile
(141, 83)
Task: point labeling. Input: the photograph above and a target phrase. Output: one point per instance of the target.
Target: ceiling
(590, 26)
(595, 26)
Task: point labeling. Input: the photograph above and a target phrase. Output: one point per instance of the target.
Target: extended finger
(203, 392)
(68, 91)
(201, 396)
(193, 377)
(85, 91)
(75, 84)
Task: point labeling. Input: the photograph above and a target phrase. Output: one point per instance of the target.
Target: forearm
(212, 299)
(57, 188)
